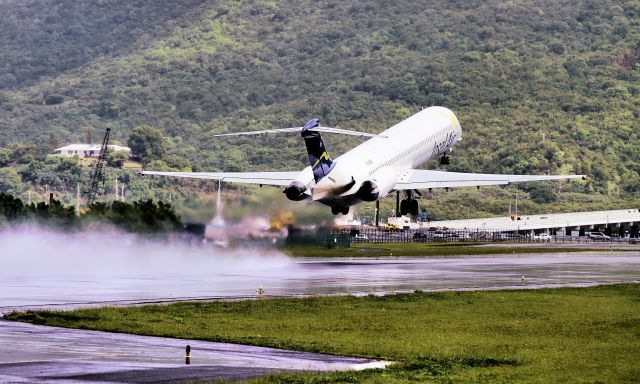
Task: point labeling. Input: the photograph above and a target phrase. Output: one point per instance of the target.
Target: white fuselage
(407, 145)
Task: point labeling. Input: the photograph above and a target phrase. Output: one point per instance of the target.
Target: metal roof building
(621, 222)
(86, 150)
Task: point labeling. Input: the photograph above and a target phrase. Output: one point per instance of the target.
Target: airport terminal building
(612, 225)
(620, 223)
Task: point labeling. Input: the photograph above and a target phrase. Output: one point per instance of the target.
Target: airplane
(386, 162)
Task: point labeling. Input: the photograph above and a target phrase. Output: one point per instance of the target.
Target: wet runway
(225, 277)
(30, 353)
(50, 270)
(39, 354)
(41, 267)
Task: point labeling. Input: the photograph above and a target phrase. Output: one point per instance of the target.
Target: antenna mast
(98, 175)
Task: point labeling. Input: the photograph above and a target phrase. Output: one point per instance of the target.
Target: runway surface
(223, 277)
(50, 270)
(39, 354)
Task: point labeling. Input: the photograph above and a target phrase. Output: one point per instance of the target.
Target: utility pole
(78, 199)
(98, 175)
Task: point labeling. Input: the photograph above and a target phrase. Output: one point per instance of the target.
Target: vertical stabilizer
(321, 163)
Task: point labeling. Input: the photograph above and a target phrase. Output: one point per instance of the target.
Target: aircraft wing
(424, 179)
(262, 178)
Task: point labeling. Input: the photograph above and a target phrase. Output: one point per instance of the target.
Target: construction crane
(98, 175)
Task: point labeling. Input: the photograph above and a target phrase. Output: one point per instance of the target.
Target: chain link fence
(344, 237)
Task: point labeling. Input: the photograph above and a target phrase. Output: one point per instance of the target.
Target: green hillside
(539, 85)
(43, 38)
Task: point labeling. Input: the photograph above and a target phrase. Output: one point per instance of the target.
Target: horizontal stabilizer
(298, 130)
(424, 179)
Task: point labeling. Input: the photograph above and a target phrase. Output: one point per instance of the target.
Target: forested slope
(539, 85)
(41, 38)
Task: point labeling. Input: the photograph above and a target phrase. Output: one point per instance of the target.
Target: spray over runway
(45, 268)
(42, 266)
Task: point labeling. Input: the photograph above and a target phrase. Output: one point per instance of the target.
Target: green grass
(421, 249)
(576, 335)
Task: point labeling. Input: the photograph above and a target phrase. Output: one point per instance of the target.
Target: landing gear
(409, 205)
(444, 160)
(337, 210)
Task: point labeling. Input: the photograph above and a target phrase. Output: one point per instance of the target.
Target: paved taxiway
(31, 353)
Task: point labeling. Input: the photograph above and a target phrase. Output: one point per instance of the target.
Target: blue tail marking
(321, 163)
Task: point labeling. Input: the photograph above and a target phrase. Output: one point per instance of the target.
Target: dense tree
(158, 165)
(177, 162)
(5, 156)
(26, 153)
(54, 141)
(10, 181)
(140, 216)
(144, 216)
(11, 207)
(60, 173)
(541, 193)
(147, 143)
(117, 158)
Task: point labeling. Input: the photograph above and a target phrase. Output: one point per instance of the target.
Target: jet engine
(295, 191)
(378, 185)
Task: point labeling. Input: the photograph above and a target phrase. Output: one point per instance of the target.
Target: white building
(620, 222)
(87, 150)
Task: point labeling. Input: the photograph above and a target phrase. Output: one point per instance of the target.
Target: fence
(343, 237)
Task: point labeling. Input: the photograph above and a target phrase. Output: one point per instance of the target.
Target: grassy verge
(551, 335)
(421, 249)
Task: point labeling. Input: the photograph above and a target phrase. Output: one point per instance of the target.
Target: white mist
(41, 266)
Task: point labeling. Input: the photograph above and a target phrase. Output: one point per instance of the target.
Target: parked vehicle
(542, 237)
(360, 238)
(421, 236)
(506, 236)
(599, 236)
(465, 236)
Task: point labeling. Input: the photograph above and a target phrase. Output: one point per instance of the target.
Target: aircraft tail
(321, 163)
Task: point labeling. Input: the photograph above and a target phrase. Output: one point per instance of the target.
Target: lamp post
(468, 218)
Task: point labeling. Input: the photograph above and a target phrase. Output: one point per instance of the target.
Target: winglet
(321, 163)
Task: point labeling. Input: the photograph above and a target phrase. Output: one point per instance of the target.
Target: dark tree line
(140, 216)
